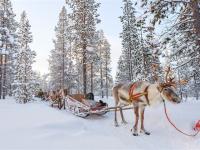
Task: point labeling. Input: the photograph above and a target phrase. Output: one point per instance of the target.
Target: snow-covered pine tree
(54, 70)
(106, 68)
(8, 46)
(185, 34)
(145, 50)
(85, 17)
(36, 80)
(131, 63)
(184, 57)
(129, 37)
(152, 53)
(122, 74)
(44, 82)
(102, 71)
(60, 60)
(24, 82)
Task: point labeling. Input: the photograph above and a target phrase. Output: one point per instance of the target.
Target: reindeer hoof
(135, 134)
(147, 133)
(116, 124)
(124, 122)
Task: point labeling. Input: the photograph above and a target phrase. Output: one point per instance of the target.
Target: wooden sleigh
(81, 107)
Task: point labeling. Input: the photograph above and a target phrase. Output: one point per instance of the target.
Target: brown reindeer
(141, 94)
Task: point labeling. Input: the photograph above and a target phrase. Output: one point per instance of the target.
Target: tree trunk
(1, 75)
(63, 56)
(4, 76)
(84, 52)
(179, 80)
(92, 78)
(196, 16)
(195, 85)
(101, 74)
(129, 49)
(107, 75)
(63, 66)
(84, 70)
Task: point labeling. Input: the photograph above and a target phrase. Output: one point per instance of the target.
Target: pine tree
(24, 82)
(106, 60)
(44, 82)
(122, 74)
(129, 37)
(8, 46)
(85, 17)
(102, 71)
(131, 63)
(182, 38)
(152, 54)
(60, 61)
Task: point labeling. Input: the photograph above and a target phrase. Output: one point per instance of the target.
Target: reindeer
(141, 94)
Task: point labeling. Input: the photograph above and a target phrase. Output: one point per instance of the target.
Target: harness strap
(137, 95)
(133, 86)
(146, 94)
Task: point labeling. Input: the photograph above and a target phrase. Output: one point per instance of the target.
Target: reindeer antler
(183, 82)
(168, 80)
(168, 69)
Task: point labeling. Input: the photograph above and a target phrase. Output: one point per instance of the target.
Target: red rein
(196, 128)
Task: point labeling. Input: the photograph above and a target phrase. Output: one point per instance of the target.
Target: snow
(38, 126)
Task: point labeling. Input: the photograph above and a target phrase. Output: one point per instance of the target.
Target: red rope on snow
(192, 135)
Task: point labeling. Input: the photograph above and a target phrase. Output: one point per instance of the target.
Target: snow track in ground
(37, 126)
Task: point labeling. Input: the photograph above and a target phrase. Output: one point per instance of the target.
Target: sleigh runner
(84, 108)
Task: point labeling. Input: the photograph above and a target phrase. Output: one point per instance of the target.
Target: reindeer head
(167, 89)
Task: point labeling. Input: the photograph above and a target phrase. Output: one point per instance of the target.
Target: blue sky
(43, 16)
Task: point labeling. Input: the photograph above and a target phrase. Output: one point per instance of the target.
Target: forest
(80, 59)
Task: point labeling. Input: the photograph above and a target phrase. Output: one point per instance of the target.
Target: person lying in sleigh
(89, 100)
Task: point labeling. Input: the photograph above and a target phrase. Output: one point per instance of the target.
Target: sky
(43, 17)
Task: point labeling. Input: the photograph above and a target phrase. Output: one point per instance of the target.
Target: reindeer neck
(153, 94)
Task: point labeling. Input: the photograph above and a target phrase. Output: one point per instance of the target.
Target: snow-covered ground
(38, 126)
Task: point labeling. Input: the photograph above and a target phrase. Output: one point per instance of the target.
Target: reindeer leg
(122, 116)
(64, 104)
(134, 130)
(116, 98)
(142, 129)
(116, 123)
